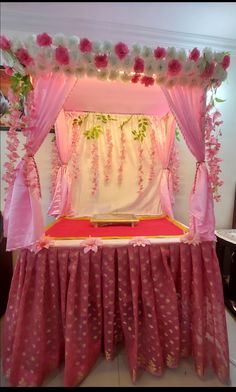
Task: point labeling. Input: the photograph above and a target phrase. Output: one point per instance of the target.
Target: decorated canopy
(46, 71)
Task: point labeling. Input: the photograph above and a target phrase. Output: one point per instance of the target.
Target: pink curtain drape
(165, 141)
(23, 221)
(188, 106)
(61, 201)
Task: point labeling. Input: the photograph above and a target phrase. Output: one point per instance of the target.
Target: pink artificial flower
(195, 54)
(9, 71)
(101, 60)
(62, 55)
(121, 50)
(5, 44)
(174, 67)
(43, 242)
(139, 241)
(91, 244)
(191, 239)
(24, 57)
(85, 45)
(147, 81)
(44, 39)
(135, 78)
(159, 53)
(225, 62)
(138, 65)
(208, 71)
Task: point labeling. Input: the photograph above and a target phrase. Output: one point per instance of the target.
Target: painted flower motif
(225, 62)
(5, 44)
(139, 241)
(24, 57)
(62, 55)
(147, 81)
(190, 238)
(174, 67)
(85, 45)
(101, 60)
(208, 71)
(194, 54)
(138, 65)
(121, 50)
(44, 39)
(159, 53)
(91, 244)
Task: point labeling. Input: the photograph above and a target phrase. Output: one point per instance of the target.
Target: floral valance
(107, 61)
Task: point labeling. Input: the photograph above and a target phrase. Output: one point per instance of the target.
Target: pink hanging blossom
(191, 239)
(101, 61)
(8, 71)
(159, 53)
(85, 45)
(147, 81)
(225, 62)
(153, 155)
(140, 167)
(121, 50)
(122, 155)
(24, 57)
(194, 54)
(138, 65)
(174, 67)
(44, 39)
(43, 242)
(94, 166)
(74, 158)
(5, 44)
(107, 168)
(62, 55)
(174, 165)
(91, 244)
(55, 165)
(139, 241)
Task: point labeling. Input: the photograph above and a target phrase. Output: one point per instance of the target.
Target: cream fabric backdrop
(113, 197)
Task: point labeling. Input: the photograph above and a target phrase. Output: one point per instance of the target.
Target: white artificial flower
(181, 55)
(32, 48)
(160, 66)
(73, 42)
(189, 66)
(113, 60)
(149, 69)
(219, 73)
(146, 52)
(107, 46)
(208, 55)
(171, 53)
(74, 55)
(31, 39)
(113, 75)
(59, 39)
(136, 49)
(15, 44)
(201, 64)
(48, 51)
(96, 47)
(218, 56)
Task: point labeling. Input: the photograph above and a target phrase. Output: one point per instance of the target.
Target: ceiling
(179, 24)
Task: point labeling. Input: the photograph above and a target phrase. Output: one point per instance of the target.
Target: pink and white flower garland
(108, 163)
(91, 244)
(55, 165)
(174, 168)
(212, 134)
(74, 158)
(153, 155)
(122, 155)
(12, 142)
(71, 55)
(139, 241)
(140, 167)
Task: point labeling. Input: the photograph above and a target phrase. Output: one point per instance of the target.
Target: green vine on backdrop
(177, 134)
(94, 132)
(105, 118)
(141, 133)
(21, 85)
(79, 120)
(125, 122)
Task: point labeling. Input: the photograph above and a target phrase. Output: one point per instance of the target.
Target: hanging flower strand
(107, 168)
(55, 164)
(153, 156)
(122, 150)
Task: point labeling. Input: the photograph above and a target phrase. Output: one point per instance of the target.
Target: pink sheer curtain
(188, 106)
(165, 141)
(61, 201)
(23, 222)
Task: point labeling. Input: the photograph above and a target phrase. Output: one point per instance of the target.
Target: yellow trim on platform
(140, 217)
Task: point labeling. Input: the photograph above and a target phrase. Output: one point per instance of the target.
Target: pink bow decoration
(43, 242)
(91, 244)
(190, 238)
(139, 241)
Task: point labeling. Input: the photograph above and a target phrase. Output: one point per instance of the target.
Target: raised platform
(68, 228)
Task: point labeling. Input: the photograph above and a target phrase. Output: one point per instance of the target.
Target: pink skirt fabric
(164, 302)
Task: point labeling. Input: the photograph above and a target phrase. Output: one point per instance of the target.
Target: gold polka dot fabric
(163, 302)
